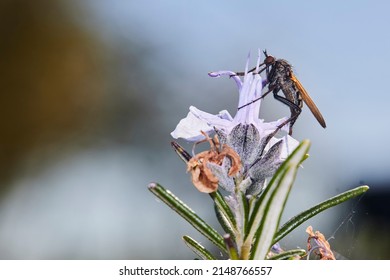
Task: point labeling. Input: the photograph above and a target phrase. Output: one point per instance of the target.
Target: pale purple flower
(260, 151)
(250, 88)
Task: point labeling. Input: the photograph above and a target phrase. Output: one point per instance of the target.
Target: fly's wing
(308, 101)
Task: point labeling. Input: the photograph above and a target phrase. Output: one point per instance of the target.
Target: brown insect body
(280, 77)
(279, 80)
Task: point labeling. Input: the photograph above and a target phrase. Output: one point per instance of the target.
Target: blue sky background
(94, 203)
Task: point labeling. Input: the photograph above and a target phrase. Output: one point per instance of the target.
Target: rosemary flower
(254, 140)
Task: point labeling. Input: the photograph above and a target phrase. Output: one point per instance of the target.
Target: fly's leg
(254, 100)
(294, 108)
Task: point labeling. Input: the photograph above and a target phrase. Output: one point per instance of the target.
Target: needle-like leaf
(268, 209)
(305, 215)
(188, 214)
(198, 249)
(291, 254)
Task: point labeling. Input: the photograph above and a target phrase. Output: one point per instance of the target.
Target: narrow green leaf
(255, 215)
(244, 204)
(223, 221)
(291, 254)
(271, 215)
(188, 214)
(225, 211)
(305, 215)
(257, 210)
(266, 216)
(198, 249)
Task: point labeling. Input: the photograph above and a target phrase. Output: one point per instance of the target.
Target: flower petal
(196, 121)
(231, 74)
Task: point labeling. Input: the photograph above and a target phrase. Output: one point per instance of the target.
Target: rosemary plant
(248, 172)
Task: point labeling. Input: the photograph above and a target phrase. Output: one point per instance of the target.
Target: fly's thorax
(283, 66)
(279, 72)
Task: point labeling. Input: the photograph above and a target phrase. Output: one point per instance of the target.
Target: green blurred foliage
(59, 83)
(51, 79)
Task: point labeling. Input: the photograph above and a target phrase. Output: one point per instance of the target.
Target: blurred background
(90, 91)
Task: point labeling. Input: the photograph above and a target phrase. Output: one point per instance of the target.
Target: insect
(280, 77)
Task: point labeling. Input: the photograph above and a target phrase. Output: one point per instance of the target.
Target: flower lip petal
(196, 121)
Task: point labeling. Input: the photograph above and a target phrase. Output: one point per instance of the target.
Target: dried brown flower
(202, 176)
(322, 248)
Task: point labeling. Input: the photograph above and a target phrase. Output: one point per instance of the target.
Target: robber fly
(280, 77)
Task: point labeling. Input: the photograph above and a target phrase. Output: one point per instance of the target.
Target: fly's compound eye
(269, 60)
